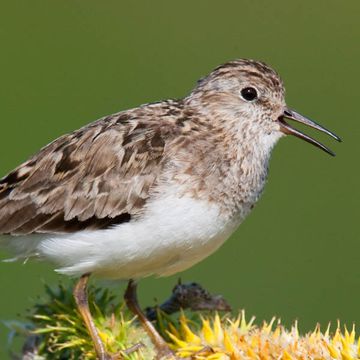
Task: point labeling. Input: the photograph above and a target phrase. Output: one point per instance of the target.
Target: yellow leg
(163, 350)
(81, 299)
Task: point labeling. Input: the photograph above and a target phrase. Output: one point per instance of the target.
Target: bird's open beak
(288, 129)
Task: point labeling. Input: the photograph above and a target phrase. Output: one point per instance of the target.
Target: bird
(151, 190)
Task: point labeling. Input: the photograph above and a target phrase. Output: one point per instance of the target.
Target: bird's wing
(89, 179)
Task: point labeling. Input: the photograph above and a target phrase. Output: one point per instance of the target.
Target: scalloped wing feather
(96, 176)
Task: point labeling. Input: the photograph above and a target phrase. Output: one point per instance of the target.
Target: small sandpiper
(151, 190)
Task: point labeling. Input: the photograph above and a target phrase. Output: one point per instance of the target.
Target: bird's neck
(244, 183)
(228, 156)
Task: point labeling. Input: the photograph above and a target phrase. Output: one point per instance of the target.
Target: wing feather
(94, 177)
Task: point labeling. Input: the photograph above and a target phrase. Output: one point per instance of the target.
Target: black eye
(249, 93)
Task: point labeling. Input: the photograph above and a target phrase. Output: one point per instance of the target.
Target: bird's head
(249, 96)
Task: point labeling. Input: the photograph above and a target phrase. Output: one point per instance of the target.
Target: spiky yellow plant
(60, 334)
(240, 340)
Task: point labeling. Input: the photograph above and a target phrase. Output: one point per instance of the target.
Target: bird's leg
(164, 352)
(81, 299)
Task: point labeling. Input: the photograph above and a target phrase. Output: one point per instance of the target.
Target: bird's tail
(21, 247)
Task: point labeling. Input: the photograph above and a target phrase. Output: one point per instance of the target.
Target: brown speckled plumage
(95, 176)
(151, 190)
(103, 173)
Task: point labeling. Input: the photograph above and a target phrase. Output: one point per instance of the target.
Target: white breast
(173, 234)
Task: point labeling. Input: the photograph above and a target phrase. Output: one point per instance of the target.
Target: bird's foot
(121, 354)
(109, 356)
(133, 348)
(166, 353)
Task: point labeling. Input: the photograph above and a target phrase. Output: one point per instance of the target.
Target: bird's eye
(249, 94)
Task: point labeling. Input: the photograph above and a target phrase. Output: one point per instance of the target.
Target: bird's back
(92, 178)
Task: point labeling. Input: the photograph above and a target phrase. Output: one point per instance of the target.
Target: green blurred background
(66, 63)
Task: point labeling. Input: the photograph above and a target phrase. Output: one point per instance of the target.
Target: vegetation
(56, 332)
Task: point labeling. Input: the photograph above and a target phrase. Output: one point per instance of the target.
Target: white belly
(172, 235)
